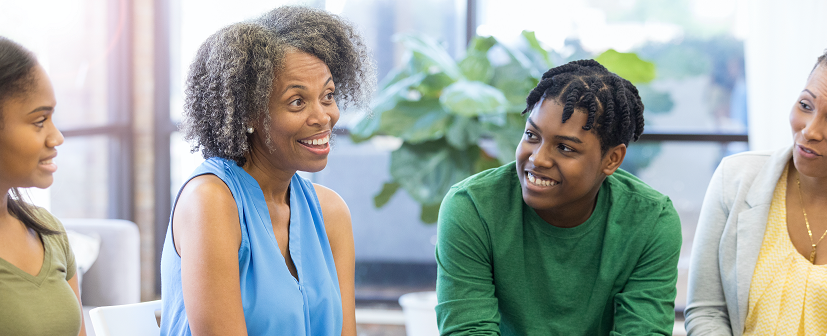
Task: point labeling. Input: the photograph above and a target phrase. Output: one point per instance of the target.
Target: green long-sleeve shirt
(503, 270)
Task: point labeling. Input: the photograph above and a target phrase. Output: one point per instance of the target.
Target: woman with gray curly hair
(252, 247)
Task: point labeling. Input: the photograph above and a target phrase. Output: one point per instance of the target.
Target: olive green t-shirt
(44, 304)
(502, 270)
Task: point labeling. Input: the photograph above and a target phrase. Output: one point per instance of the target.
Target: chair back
(115, 277)
(137, 319)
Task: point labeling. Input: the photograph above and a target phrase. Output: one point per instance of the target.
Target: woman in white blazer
(731, 259)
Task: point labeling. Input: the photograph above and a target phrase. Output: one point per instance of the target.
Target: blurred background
(726, 73)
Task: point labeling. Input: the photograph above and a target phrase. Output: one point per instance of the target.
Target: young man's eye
(564, 148)
(528, 135)
(39, 122)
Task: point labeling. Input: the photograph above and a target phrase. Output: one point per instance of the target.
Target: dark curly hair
(615, 111)
(17, 77)
(229, 83)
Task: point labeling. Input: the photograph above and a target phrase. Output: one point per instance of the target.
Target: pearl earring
(250, 130)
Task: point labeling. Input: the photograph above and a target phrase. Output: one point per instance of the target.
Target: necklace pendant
(813, 256)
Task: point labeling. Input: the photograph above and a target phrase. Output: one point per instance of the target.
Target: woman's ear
(613, 158)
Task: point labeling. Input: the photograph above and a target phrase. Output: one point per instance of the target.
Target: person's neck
(5, 215)
(273, 181)
(813, 188)
(572, 214)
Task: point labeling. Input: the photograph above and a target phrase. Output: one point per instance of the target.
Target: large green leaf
(485, 162)
(524, 61)
(433, 84)
(432, 57)
(364, 129)
(628, 66)
(481, 44)
(463, 132)
(426, 171)
(476, 67)
(387, 99)
(382, 198)
(430, 213)
(472, 98)
(535, 46)
(515, 82)
(415, 121)
(508, 136)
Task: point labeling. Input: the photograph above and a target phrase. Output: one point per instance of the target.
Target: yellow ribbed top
(788, 294)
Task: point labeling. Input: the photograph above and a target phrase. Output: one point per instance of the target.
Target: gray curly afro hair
(229, 83)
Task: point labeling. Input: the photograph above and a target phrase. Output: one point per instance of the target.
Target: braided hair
(613, 105)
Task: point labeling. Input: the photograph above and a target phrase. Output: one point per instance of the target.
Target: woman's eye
(329, 96)
(39, 122)
(529, 135)
(804, 105)
(296, 103)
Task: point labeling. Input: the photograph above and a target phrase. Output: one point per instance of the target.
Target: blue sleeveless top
(274, 302)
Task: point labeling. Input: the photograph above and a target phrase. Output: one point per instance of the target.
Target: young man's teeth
(540, 181)
(49, 161)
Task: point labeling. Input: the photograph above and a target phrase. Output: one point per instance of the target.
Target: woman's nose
(815, 128)
(55, 138)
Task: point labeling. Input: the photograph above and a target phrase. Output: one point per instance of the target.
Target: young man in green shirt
(561, 242)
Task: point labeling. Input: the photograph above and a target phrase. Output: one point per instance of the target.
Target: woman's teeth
(45, 162)
(540, 181)
(316, 142)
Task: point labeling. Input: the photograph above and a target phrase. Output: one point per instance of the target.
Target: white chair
(137, 319)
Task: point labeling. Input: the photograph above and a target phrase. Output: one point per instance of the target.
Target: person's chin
(533, 200)
(809, 168)
(315, 166)
(41, 182)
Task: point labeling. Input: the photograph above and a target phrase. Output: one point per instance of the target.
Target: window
(84, 47)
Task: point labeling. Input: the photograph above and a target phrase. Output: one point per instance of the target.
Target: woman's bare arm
(340, 234)
(207, 236)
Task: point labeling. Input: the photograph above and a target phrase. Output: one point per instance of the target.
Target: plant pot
(420, 316)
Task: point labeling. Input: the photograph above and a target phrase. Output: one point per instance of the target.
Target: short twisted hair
(615, 111)
(229, 83)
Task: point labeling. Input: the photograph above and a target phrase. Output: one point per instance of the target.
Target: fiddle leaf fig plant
(457, 117)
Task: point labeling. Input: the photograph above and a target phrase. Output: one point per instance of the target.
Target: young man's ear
(613, 158)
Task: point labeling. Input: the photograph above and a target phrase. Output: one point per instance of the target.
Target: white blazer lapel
(751, 226)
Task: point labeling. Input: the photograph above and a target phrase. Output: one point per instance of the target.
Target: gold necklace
(801, 198)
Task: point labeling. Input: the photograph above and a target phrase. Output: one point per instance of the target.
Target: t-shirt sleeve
(61, 239)
(646, 305)
(465, 285)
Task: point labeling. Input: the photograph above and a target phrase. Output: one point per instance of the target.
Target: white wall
(783, 42)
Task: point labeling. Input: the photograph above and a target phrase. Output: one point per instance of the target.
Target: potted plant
(459, 117)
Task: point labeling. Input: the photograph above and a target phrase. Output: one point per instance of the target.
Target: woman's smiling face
(560, 165)
(28, 136)
(302, 113)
